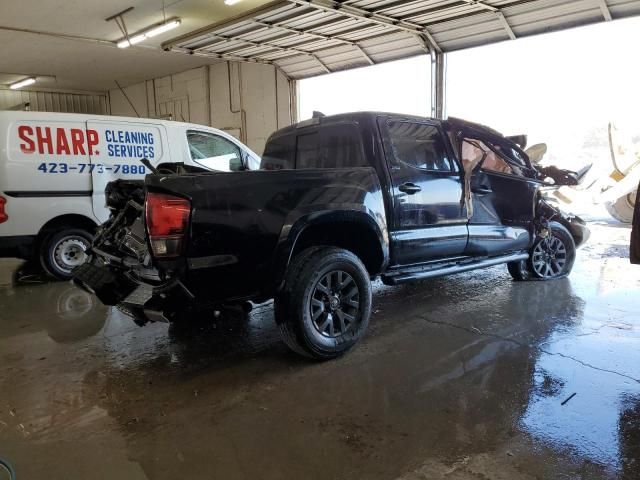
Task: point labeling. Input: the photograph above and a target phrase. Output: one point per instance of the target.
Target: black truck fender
(351, 227)
(576, 226)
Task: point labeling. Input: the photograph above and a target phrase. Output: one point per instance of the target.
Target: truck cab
(454, 189)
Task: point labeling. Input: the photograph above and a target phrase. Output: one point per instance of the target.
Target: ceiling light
(132, 41)
(22, 83)
(231, 2)
(148, 33)
(165, 27)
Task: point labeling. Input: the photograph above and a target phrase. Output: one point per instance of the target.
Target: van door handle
(481, 190)
(409, 188)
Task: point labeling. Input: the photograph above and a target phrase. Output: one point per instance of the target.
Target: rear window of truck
(331, 146)
(279, 153)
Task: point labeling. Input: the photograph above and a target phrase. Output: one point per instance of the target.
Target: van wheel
(64, 250)
(325, 305)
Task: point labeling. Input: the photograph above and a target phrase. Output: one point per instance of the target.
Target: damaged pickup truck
(338, 201)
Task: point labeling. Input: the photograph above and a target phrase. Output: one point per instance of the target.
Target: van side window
(335, 146)
(419, 145)
(214, 152)
(280, 153)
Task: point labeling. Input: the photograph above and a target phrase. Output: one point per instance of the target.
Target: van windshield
(214, 152)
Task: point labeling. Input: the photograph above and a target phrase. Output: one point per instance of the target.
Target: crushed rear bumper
(141, 301)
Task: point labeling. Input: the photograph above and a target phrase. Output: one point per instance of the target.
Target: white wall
(250, 101)
(53, 101)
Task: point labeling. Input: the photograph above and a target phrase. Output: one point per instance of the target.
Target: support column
(438, 84)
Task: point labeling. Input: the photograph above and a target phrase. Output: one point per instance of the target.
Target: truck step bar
(419, 273)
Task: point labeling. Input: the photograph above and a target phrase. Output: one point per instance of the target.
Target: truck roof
(355, 116)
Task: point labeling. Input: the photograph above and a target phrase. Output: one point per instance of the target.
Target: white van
(54, 168)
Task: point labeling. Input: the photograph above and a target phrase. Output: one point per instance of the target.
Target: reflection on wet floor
(471, 376)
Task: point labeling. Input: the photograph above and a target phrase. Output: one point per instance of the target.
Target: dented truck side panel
(503, 213)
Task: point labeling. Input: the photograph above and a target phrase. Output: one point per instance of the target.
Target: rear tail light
(3, 215)
(167, 222)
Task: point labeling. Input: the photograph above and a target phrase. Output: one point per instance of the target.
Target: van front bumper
(17, 246)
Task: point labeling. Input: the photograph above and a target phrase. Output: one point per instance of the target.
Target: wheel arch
(576, 227)
(72, 220)
(352, 230)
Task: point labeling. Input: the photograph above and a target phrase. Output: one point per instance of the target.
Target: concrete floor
(459, 378)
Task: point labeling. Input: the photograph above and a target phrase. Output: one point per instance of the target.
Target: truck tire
(64, 250)
(622, 209)
(550, 258)
(519, 270)
(325, 305)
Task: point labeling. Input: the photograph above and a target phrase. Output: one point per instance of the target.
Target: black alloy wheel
(335, 304)
(549, 257)
(325, 305)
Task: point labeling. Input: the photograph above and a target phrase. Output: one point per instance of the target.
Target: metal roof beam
(231, 58)
(606, 13)
(319, 36)
(419, 10)
(501, 18)
(482, 5)
(201, 32)
(505, 25)
(479, 3)
(365, 55)
(331, 6)
(255, 44)
(221, 56)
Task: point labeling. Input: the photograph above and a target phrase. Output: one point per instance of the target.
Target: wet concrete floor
(466, 377)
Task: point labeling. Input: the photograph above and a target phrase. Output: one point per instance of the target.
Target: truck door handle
(481, 190)
(409, 188)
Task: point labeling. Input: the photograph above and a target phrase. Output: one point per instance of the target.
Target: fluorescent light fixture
(165, 27)
(148, 33)
(132, 41)
(22, 83)
(231, 2)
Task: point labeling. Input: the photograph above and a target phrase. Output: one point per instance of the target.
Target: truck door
(429, 220)
(502, 207)
(115, 150)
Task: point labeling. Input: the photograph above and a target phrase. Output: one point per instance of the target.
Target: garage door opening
(574, 91)
(402, 86)
(561, 89)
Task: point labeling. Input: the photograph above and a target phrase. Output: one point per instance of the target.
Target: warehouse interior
(467, 376)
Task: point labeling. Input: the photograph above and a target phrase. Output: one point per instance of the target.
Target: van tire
(63, 250)
(349, 298)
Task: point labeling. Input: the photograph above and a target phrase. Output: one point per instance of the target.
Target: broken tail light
(167, 220)
(3, 215)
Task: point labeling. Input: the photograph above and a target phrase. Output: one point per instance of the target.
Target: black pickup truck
(338, 201)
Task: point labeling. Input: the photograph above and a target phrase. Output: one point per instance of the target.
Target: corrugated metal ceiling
(305, 38)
